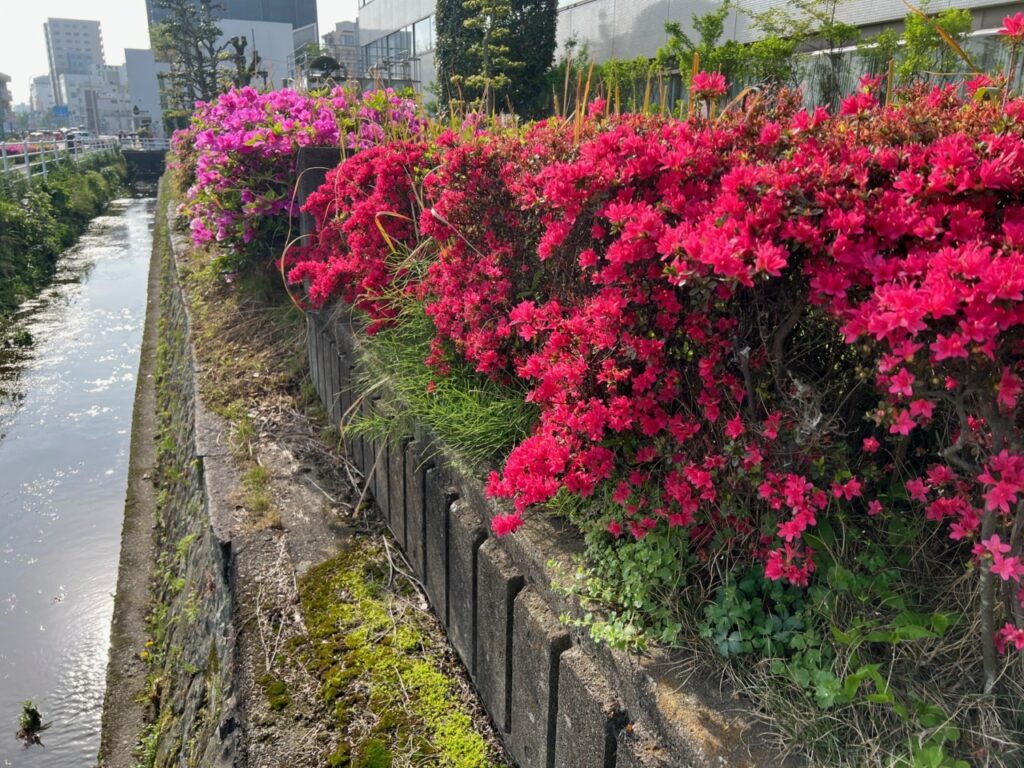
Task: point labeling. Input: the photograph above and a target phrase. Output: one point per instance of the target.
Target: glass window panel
(423, 35)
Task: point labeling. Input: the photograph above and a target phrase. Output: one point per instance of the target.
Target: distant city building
(142, 73)
(297, 13)
(342, 45)
(273, 41)
(73, 47)
(41, 95)
(5, 103)
(99, 101)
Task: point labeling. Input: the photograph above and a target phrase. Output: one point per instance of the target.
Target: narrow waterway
(65, 426)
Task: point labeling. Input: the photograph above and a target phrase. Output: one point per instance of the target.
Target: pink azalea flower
(1013, 28)
(708, 85)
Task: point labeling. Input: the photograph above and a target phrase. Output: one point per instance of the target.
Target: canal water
(65, 427)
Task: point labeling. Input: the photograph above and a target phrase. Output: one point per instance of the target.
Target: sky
(123, 23)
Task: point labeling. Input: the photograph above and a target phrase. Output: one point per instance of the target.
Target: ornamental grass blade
(946, 37)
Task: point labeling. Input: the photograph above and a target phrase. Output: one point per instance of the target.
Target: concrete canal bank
(253, 571)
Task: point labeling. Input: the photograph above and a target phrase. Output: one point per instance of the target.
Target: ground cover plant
(774, 357)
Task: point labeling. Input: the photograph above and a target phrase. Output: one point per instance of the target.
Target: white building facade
(41, 95)
(142, 74)
(397, 38)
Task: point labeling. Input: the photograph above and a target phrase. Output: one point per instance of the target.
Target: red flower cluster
(699, 309)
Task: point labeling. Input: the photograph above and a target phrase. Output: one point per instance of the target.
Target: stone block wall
(194, 718)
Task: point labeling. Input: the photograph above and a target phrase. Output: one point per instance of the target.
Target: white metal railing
(147, 145)
(29, 157)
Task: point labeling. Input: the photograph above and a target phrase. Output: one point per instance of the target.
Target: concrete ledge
(692, 720)
(538, 641)
(498, 583)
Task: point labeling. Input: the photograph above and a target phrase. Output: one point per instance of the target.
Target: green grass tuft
(481, 419)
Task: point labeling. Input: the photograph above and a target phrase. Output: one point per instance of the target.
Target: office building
(397, 38)
(618, 30)
(73, 47)
(342, 45)
(142, 75)
(98, 101)
(41, 95)
(297, 13)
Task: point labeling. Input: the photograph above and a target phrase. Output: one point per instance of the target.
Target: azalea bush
(767, 359)
(777, 347)
(236, 162)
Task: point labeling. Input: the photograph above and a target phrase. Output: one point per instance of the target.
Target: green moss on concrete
(381, 671)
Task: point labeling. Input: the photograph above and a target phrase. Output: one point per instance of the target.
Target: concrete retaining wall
(195, 717)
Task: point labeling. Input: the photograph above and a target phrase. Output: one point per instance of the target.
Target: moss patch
(383, 673)
(278, 697)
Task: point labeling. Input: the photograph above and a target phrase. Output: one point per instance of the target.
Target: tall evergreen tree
(501, 47)
(188, 40)
(531, 40)
(452, 48)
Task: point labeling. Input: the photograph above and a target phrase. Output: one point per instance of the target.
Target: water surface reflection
(65, 423)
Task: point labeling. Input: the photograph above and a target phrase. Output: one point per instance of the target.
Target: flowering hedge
(237, 158)
(740, 327)
(778, 338)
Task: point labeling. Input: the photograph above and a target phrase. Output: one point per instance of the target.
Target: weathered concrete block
(396, 490)
(322, 385)
(438, 499)
(415, 493)
(637, 750)
(365, 462)
(538, 640)
(312, 164)
(380, 471)
(331, 366)
(350, 402)
(498, 583)
(465, 535)
(344, 387)
(589, 714)
(313, 331)
(311, 346)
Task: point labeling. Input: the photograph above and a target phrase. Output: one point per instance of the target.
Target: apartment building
(41, 95)
(342, 45)
(73, 47)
